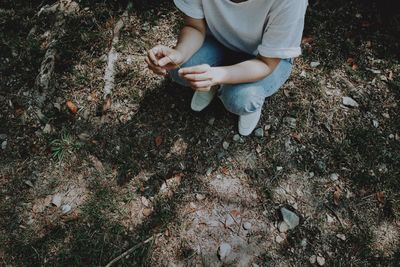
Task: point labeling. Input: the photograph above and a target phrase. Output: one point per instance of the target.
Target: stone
(146, 212)
(247, 226)
(259, 132)
(223, 251)
(65, 208)
(349, 102)
(314, 64)
(225, 145)
(291, 122)
(236, 137)
(279, 239)
(4, 145)
(391, 136)
(56, 200)
(303, 242)
(313, 259)
(145, 201)
(47, 129)
(229, 220)
(341, 237)
(375, 123)
(200, 197)
(283, 227)
(303, 74)
(211, 121)
(329, 219)
(209, 171)
(3, 136)
(320, 260)
(334, 177)
(290, 218)
(279, 168)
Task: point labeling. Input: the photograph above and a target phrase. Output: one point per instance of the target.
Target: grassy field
(151, 169)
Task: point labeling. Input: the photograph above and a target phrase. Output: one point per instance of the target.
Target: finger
(197, 77)
(154, 68)
(195, 69)
(200, 84)
(152, 56)
(166, 60)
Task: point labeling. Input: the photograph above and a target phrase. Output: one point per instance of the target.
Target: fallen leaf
(158, 140)
(380, 196)
(296, 137)
(146, 212)
(336, 196)
(354, 67)
(308, 39)
(106, 104)
(235, 213)
(225, 170)
(72, 107)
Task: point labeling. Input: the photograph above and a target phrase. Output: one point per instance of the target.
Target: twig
(334, 214)
(132, 249)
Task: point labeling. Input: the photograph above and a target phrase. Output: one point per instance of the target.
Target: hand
(202, 77)
(161, 58)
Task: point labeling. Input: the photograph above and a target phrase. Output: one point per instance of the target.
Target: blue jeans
(244, 98)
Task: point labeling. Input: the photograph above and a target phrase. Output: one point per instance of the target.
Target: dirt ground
(81, 188)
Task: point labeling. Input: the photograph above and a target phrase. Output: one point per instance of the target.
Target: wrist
(220, 75)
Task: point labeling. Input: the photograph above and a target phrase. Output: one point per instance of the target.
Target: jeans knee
(173, 74)
(242, 101)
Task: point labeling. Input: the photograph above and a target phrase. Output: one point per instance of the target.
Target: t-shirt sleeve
(191, 8)
(282, 38)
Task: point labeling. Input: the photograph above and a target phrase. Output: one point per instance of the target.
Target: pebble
(259, 132)
(209, 171)
(200, 197)
(329, 219)
(65, 208)
(47, 129)
(279, 168)
(247, 226)
(291, 122)
(146, 212)
(211, 121)
(3, 136)
(290, 218)
(341, 237)
(314, 64)
(56, 201)
(145, 201)
(391, 136)
(229, 220)
(321, 261)
(28, 183)
(283, 227)
(236, 137)
(279, 239)
(225, 145)
(313, 259)
(303, 74)
(223, 251)
(303, 242)
(4, 145)
(349, 102)
(375, 123)
(334, 177)
(386, 115)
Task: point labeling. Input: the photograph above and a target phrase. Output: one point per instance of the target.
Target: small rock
(291, 122)
(334, 177)
(223, 251)
(290, 218)
(303, 74)
(259, 132)
(229, 220)
(329, 219)
(200, 197)
(28, 183)
(349, 102)
(236, 137)
(192, 205)
(341, 237)
(65, 208)
(211, 121)
(313, 259)
(303, 242)
(283, 227)
(386, 115)
(279, 239)
(84, 136)
(145, 201)
(3, 136)
(57, 106)
(146, 212)
(209, 171)
(391, 136)
(4, 145)
(47, 129)
(247, 226)
(279, 168)
(314, 64)
(225, 145)
(375, 123)
(321, 260)
(56, 201)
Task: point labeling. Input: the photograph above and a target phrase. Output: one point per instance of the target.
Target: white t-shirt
(271, 28)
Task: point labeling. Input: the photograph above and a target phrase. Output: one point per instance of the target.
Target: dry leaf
(72, 107)
(380, 196)
(296, 137)
(235, 213)
(307, 39)
(146, 212)
(107, 104)
(158, 140)
(225, 170)
(336, 196)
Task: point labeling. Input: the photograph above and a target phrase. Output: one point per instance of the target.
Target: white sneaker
(247, 123)
(201, 100)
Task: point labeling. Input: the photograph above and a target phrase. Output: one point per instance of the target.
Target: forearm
(245, 72)
(189, 41)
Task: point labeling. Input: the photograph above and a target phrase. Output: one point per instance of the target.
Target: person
(243, 51)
